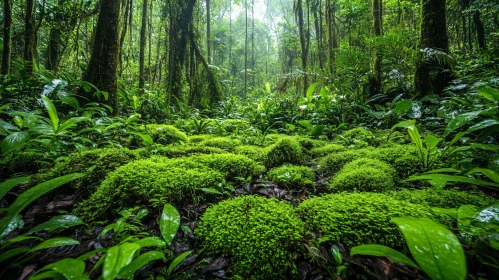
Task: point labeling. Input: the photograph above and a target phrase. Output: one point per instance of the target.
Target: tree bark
(103, 65)
(375, 83)
(303, 43)
(7, 26)
(29, 38)
(331, 38)
(143, 40)
(480, 30)
(208, 29)
(55, 41)
(246, 52)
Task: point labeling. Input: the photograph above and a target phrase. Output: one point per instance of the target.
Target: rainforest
(249, 139)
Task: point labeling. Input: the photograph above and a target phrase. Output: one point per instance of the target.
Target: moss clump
(364, 175)
(199, 138)
(230, 164)
(443, 198)
(286, 150)
(25, 162)
(359, 135)
(332, 163)
(161, 134)
(290, 176)
(255, 153)
(359, 218)
(309, 144)
(223, 143)
(325, 150)
(95, 163)
(183, 151)
(260, 235)
(139, 181)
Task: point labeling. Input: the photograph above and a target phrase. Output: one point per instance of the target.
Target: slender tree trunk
(246, 52)
(375, 83)
(253, 63)
(208, 29)
(480, 30)
(101, 70)
(143, 40)
(303, 43)
(123, 34)
(55, 41)
(331, 38)
(7, 26)
(29, 38)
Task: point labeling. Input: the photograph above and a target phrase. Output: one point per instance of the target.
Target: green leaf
(151, 242)
(436, 250)
(52, 112)
(383, 251)
(431, 141)
(31, 195)
(128, 271)
(452, 178)
(461, 121)
(305, 123)
(404, 124)
(177, 261)
(487, 172)
(338, 257)
(489, 93)
(450, 212)
(402, 106)
(169, 223)
(8, 185)
(312, 88)
(474, 222)
(12, 253)
(482, 125)
(59, 222)
(48, 275)
(11, 224)
(118, 257)
(14, 141)
(146, 138)
(211, 190)
(142, 213)
(84, 257)
(69, 268)
(267, 86)
(70, 123)
(55, 242)
(317, 130)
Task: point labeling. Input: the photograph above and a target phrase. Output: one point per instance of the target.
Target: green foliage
(293, 177)
(358, 218)
(358, 137)
(25, 162)
(255, 153)
(161, 134)
(140, 181)
(325, 150)
(169, 223)
(230, 164)
(183, 151)
(260, 235)
(286, 150)
(364, 175)
(195, 139)
(223, 143)
(443, 198)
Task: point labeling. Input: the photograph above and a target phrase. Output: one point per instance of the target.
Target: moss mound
(183, 151)
(325, 150)
(286, 150)
(230, 164)
(291, 177)
(139, 181)
(364, 175)
(161, 134)
(223, 143)
(359, 137)
(443, 198)
(25, 162)
(261, 235)
(255, 153)
(195, 139)
(359, 218)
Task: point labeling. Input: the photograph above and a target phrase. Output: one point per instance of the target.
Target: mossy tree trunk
(29, 36)
(142, 55)
(7, 26)
(376, 79)
(101, 70)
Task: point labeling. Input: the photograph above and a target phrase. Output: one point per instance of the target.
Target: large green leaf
(452, 178)
(487, 172)
(117, 258)
(317, 131)
(52, 112)
(55, 242)
(402, 106)
(432, 141)
(383, 251)
(14, 141)
(436, 250)
(128, 271)
(151, 242)
(69, 268)
(169, 223)
(8, 185)
(461, 121)
(177, 261)
(59, 222)
(489, 93)
(312, 88)
(70, 123)
(12, 253)
(31, 195)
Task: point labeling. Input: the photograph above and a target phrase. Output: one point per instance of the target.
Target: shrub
(332, 163)
(223, 143)
(289, 176)
(255, 153)
(307, 143)
(325, 150)
(364, 175)
(182, 151)
(139, 181)
(95, 163)
(161, 134)
(443, 198)
(359, 218)
(230, 164)
(360, 135)
(260, 235)
(199, 138)
(286, 150)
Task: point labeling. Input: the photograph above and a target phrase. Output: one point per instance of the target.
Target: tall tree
(246, 50)
(375, 83)
(7, 26)
(143, 39)
(433, 36)
(55, 39)
(208, 29)
(303, 42)
(29, 36)
(330, 14)
(101, 70)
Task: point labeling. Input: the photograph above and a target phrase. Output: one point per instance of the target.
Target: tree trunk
(303, 43)
(55, 41)
(375, 83)
(7, 26)
(331, 38)
(143, 40)
(208, 29)
(480, 30)
(246, 52)
(29, 38)
(101, 70)
(433, 36)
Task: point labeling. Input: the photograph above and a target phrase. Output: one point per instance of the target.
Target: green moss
(223, 143)
(255, 153)
(364, 175)
(25, 162)
(286, 150)
(359, 218)
(95, 163)
(182, 151)
(260, 235)
(325, 150)
(161, 134)
(359, 135)
(307, 143)
(199, 138)
(230, 164)
(293, 177)
(443, 198)
(139, 181)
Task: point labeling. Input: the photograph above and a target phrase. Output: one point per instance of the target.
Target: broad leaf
(383, 251)
(70, 123)
(55, 242)
(118, 257)
(432, 141)
(489, 93)
(436, 250)
(312, 88)
(52, 112)
(211, 190)
(12, 253)
(461, 121)
(487, 172)
(14, 141)
(69, 268)
(128, 271)
(146, 138)
(8, 185)
(452, 178)
(317, 130)
(169, 223)
(402, 106)
(177, 261)
(59, 222)
(151, 242)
